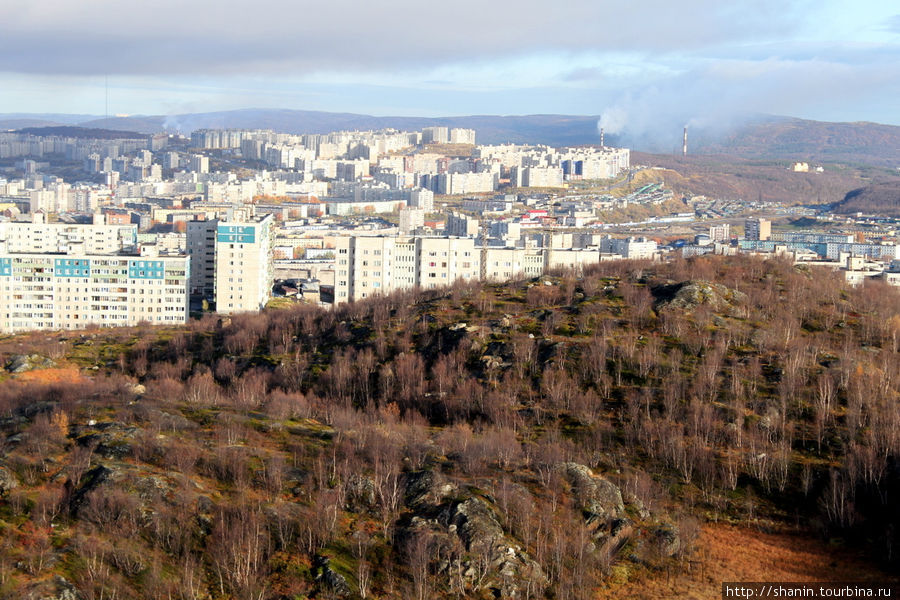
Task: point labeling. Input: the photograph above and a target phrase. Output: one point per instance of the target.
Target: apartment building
(757, 229)
(366, 266)
(42, 237)
(78, 289)
(244, 271)
(201, 248)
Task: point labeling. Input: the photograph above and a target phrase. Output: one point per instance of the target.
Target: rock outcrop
(598, 498)
(8, 481)
(20, 363)
(489, 560)
(688, 295)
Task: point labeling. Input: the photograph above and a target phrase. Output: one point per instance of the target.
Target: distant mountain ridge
(766, 137)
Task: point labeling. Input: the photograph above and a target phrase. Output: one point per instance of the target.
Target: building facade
(244, 271)
(77, 290)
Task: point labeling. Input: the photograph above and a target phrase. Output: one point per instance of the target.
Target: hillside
(766, 180)
(555, 438)
(880, 199)
(812, 141)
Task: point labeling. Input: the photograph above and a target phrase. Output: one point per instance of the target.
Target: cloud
(649, 65)
(110, 36)
(714, 97)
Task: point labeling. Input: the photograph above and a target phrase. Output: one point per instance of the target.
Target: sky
(640, 63)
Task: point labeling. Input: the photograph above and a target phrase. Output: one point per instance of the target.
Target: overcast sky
(638, 62)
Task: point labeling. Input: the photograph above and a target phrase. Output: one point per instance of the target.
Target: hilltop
(558, 437)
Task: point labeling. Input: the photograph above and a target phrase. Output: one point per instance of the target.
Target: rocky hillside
(563, 437)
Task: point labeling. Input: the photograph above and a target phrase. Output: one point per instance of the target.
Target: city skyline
(643, 67)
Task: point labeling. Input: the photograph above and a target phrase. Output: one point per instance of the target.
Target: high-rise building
(199, 163)
(421, 198)
(757, 229)
(411, 219)
(720, 233)
(435, 135)
(244, 272)
(201, 248)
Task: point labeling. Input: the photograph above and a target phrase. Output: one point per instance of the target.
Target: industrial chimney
(601, 138)
(684, 144)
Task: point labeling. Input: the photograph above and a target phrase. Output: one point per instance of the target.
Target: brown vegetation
(544, 439)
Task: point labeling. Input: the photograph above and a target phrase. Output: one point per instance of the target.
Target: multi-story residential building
(76, 289)
(367, 266)
(630, 248)
(411, 219)
(757, 229)
(371, 265)
(244, 270)
(201, 248)
(462, 136)
(542, 177)
(422, 198)
(435, 135)
(461, 225)
(504, 264)
(42, 237)
(720, 233)
(199, 163)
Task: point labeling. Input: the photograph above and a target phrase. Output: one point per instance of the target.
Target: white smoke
(613, 120)
(172, 124)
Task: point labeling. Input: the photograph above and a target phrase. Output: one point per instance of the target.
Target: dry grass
(729, 553)
(52, 375)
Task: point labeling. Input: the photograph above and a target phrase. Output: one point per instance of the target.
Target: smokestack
(601, 138)
(684, 145)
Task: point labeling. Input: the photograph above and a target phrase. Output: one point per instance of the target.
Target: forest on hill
(879, 199)
(551, 438)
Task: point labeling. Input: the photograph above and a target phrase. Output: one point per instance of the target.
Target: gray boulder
(8, 481)
(426, 488)
(598, 498)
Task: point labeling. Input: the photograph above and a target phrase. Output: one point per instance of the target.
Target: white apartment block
(411, 219)
(435, 135)
(40, 237)
(367, 266)
(465, 183)
(199, 163)
(422, 198)
(720, 233)
(244, 272)
(630, 248)
(542, 177)
(462, 136)
(505, 264)
(77, 289)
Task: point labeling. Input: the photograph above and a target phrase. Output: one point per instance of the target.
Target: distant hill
(556, 130)
(81, 132)
(759, 137)
(879, 198)
(20, 120)
(815, 141)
